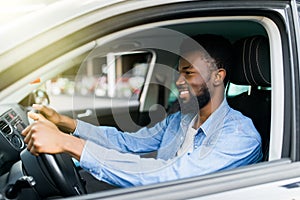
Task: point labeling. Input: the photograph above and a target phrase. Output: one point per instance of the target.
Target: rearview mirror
(36, 97)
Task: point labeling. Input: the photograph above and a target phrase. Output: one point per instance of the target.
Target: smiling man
(204, 137)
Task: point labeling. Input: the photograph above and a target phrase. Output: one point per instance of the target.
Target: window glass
(234, 89)
(116, 75)
(298, 8)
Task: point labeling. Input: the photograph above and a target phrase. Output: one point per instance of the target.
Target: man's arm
(109, 137)
(128, 170)
(149, 139)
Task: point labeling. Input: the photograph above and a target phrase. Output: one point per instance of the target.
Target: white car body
(42, 44)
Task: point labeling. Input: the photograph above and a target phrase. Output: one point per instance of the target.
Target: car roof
(59, 13)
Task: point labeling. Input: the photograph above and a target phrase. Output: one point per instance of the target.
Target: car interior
(253, 68)
(248, 90)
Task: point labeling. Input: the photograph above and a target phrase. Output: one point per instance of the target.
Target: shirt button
(181, 138)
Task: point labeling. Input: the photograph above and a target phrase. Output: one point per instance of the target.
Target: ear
(219, 77)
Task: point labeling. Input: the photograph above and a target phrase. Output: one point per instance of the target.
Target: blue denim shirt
(226, 140)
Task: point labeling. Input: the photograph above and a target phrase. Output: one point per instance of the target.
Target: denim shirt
(227, 139)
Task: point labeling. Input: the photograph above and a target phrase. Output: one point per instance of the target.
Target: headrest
(252, 62)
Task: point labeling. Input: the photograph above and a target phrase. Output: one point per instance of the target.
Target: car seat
(252, 68)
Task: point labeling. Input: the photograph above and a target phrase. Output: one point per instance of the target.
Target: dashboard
(25, 176)
(13, 119)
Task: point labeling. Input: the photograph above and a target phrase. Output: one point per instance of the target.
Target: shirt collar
(212, 123)
(216, 119)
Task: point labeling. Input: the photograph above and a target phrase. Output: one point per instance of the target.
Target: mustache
(183, 87)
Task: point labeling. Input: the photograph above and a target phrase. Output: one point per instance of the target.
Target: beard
(195, 103)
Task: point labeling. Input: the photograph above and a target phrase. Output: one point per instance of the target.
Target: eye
(188, 72)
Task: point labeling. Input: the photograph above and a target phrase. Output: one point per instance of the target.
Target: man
(204, 137)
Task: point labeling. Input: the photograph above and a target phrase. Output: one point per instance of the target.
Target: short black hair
(217, 46)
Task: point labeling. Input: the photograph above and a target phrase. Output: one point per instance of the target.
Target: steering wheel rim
(64, 174)
(55, 174)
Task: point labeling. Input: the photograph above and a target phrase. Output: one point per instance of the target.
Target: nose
(180, 80)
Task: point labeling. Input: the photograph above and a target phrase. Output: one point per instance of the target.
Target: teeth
(184, 92)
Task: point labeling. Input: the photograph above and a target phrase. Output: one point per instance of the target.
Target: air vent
(4, 127)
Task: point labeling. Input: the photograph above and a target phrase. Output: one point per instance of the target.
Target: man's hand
(64, 123)
(43, 136)
(48, 113)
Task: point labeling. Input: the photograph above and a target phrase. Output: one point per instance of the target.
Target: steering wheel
(55, 174)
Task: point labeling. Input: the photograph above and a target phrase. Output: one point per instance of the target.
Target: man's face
(193, 82)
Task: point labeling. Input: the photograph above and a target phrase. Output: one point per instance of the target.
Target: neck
(206, 111)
